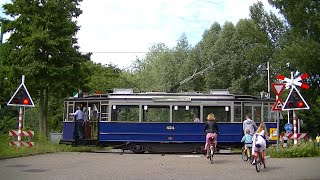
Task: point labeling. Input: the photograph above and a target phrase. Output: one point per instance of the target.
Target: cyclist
(259, 140)
(211, 129)
(247, 140)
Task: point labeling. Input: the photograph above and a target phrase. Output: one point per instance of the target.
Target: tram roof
(170, 96)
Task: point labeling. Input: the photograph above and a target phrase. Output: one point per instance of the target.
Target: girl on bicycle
(211, 129)
(247, 140)
(259, 140)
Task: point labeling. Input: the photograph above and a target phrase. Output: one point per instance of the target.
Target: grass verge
(41, 146)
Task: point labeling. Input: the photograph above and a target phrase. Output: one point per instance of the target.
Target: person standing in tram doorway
(249, 124)
(79, 114)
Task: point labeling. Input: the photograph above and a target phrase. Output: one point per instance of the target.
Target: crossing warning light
(295, 101)
(21, 97)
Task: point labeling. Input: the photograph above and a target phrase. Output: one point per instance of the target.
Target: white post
(285, 140)
(295, 136)
(20, 127)
(22, 79)
(268, 69)
(277, 113)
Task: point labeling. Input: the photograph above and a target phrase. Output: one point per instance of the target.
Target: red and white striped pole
(295, 136)
(20, 127)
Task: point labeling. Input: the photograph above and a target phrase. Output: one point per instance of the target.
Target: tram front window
(185, 113)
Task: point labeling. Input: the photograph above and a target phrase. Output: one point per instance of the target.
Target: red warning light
(25, 101)
(300, 104)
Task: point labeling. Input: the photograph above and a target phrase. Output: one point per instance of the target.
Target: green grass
(41, 146)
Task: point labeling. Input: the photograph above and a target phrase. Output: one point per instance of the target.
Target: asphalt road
(69, 166)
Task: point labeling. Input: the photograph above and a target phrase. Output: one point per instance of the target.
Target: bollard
(285, 141)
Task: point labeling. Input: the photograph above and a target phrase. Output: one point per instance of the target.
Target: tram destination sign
(172, 99)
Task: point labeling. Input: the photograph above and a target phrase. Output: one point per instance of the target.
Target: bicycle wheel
(244, 155)
(258, 162)
(211, 154)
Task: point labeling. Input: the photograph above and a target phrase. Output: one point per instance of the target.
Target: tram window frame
(128, 110)
(267, 117)
(185, 113)
(237, 113)
(251, 108)
(219, 112)
(104, 112)
(94, 111)
(257, 113)
(148, 109)
(71, 109)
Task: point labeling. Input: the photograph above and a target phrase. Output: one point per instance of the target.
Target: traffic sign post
(21, 98)
(294, 101)
(278, 88)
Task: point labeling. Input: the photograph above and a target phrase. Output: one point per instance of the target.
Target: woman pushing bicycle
(212, 130)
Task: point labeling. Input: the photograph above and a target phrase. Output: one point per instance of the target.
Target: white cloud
(133, 26)
(124, 26)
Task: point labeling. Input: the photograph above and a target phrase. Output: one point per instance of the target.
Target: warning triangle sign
(295, 101)
(277, 106)
(21, 97)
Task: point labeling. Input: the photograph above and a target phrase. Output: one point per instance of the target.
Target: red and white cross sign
(296, 81)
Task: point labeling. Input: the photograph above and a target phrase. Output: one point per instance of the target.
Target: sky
(119, 31)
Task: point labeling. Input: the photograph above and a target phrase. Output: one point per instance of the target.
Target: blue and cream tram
(161, 121)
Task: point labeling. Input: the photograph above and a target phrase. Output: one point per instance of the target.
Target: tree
(43, 47)
(105, 77)
(295, 40)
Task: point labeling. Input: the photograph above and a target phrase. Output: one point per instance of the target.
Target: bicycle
(259, 161)
(211, 149)
(246, 153)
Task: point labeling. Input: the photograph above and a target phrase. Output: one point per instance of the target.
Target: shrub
(302, 150)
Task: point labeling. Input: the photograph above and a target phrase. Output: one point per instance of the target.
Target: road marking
(190, 156)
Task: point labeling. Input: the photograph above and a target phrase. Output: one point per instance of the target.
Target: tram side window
(156, 113)
(185, 113)
(247, 110)
(254, 110)
(125, 113)
(257, 114)
(219, 112)
(70, 110)
(237, 113)
(267, 117)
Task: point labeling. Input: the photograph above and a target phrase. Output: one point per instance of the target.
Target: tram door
(91, 127)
